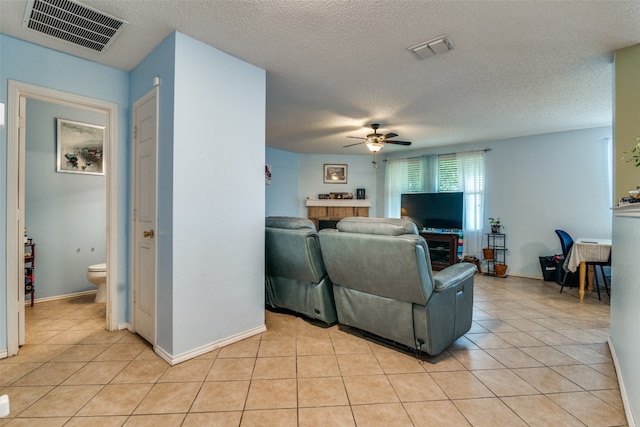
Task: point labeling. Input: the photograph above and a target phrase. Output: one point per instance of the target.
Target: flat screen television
(433, 210)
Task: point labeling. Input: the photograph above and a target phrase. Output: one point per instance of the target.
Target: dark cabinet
(443, 249)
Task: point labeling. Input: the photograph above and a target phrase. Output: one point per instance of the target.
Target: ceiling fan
(375, 141)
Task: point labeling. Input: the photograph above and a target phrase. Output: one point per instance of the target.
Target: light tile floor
(534, 357)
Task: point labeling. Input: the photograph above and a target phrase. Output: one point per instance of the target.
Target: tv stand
(443, 248)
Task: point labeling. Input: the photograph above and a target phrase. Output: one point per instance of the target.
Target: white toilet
(97, 274)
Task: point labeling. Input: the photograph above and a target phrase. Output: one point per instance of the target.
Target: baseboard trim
(4, 354)
(183, 357)
(623, 392)
(125, 325)
(27, 301)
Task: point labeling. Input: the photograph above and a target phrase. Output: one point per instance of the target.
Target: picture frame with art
(80, 148)
(335, 174)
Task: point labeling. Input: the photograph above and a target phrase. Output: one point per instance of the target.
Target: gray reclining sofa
(383, 284)
(296, 278)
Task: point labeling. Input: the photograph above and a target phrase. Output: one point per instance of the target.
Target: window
(415, 181)
(448, 172)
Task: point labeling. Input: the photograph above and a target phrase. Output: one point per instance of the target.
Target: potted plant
(635, 154)
(495, 225)
(501, 270)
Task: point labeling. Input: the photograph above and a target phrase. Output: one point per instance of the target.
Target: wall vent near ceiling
(73, 22)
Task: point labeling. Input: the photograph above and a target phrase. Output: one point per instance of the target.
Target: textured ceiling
(334, 67)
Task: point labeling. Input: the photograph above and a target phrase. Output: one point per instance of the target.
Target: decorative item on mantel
(634, 197)
(341, 195)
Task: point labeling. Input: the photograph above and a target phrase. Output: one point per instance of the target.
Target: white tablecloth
(587, 250)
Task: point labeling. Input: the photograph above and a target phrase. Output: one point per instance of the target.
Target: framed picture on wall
(335, 174)
(80, 148)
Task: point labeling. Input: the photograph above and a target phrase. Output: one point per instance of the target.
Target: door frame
(16, 165)
(153, 93)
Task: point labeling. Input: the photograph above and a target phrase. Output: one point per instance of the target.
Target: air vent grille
(73, 22)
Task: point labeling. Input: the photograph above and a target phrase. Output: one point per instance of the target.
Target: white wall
(625, 315)
(625, 283)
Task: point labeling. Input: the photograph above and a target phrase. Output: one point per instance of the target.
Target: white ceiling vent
(73, 22)
(434, 47)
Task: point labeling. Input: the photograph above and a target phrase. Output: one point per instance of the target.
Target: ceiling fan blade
(390, 135)
(398, 142)
(356, 137)
(351, 145)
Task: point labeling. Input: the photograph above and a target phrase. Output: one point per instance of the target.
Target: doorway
(16, 107)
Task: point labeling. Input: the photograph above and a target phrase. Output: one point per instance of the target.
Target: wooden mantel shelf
(632, 209)
(331, 211)
(358, 203)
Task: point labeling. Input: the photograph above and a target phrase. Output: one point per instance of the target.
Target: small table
(586, 250)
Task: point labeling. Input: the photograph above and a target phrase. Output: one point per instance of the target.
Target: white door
(145, 138)
(22, 142)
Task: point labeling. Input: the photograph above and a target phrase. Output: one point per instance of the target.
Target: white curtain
(471, 182)
(401, 177)
(396, 183)
(429, 166)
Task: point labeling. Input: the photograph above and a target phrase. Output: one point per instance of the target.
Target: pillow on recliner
(289, 222)
(381, 226)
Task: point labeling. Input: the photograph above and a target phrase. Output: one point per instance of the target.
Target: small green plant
(495, 225)
(635, 153)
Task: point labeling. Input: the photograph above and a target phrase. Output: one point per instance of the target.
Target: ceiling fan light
(374, 147)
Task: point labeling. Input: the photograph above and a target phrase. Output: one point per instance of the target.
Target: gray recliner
(383, 284)
(296, 278)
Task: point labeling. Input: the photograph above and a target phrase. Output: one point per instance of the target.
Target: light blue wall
(298, 176)
(282, 194)
(29, 63)
(538, 183)
(161, 63)
(211, 202)
(563, 183)
(360, 174)
(65, 213)
(218, 192)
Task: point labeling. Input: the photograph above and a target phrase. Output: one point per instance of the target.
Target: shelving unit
(497, 242)
(29, 269)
